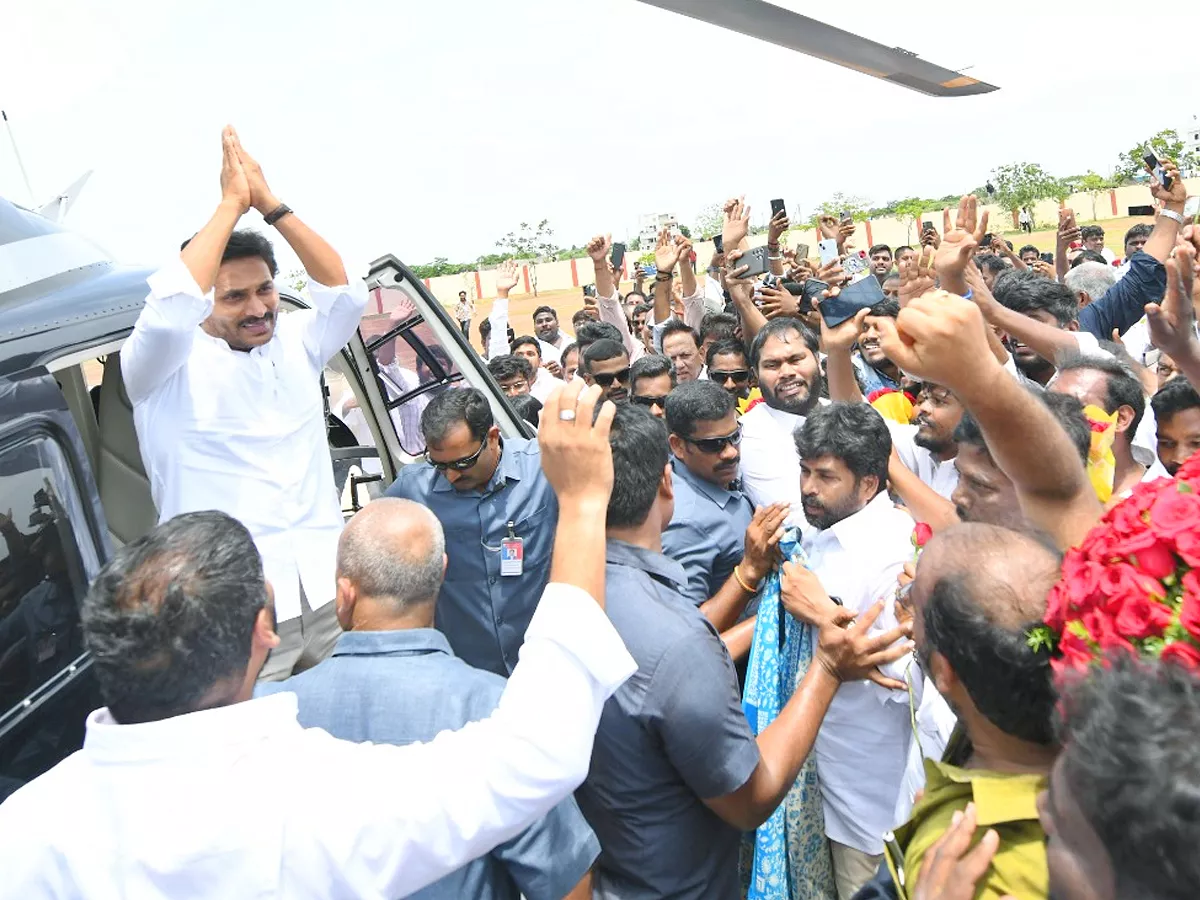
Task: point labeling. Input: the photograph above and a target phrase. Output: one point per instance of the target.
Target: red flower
(1075, 652)
(921, 535)
(1058, 600)
(1103, 632)
(1190, 469)
(1174, 512)
(1120, 580)
(1189, 613)
(1140, 617)
(1156, 561)
(1182, 653)
(1081, 579)
(1187, 545)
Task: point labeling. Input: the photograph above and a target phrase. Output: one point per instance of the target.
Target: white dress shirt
(612, 312)
(770, 464)
(211, 804)
(862, 746)
(935, 724)
(939, 475)
(543, 384)
(244, 432)
(498, 344)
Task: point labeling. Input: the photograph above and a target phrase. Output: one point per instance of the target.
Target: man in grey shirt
(393, 679)
(676, 773)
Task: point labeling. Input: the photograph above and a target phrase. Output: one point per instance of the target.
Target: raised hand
(959, 242)
(666, 252)
(939, 337)
(778, 302)
(843, 335)
(777, 226)
(1068, 231)
(737, 223)
(1177, 193)
(235, 186)
(685, 250)
(1173, 322)
(845, 232)
(576, 456)
(833, 274)
(261, 197)
(917, 276)
(762, 541)
(930, 237)
(507, 276)
(599, 247)
(830, 227)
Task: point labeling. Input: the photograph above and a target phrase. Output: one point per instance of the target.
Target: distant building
(650, 225)
(1190, 135)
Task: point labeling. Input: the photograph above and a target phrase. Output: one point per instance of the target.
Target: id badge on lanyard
(512, 554)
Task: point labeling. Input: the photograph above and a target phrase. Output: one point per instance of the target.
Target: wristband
(776, 256)
(282, 210)
(771, 246)
(745, 587)
(1171, 214)
(664, 276)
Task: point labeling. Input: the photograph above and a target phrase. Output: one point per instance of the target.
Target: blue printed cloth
(791, 857)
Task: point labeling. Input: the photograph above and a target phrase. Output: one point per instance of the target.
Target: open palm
(506, 275)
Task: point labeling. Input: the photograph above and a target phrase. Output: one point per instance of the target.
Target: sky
(433, 129)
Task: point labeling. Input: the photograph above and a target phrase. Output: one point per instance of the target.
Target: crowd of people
(754, 615)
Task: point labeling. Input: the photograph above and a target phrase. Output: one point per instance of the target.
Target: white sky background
(397, 126)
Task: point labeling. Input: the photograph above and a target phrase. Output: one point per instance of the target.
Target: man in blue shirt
(676, 773)
(710, 534)
(393, 679)
(492, 500)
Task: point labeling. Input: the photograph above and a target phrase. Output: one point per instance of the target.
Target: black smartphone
(1047, 257)
(719, 243)
(1152, 161)
(987, 240)
(777, 207)
(618, 255)
(861, 294)
(756, 259)
(927, 226)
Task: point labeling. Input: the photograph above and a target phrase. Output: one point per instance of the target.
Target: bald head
(979, 589)
(393, 551)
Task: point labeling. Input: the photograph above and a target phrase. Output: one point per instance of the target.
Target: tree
(710, 220)
(1166, 145)
(634, 243)
(910, 211)
(840, 203)
(1094, 185)
(1062, 188)
(297, 279)
(1022, 184)
(534, 243)
(687, 232)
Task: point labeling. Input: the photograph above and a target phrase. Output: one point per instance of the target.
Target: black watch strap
(277, 213)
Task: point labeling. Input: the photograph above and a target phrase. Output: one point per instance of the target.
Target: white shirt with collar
(244, 432)
(163, 809)
(543, 384)
(862, 746)
(770, 464)
(940, 475)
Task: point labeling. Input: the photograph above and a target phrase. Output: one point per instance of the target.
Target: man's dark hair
(1027, 292)
(509, 366)
(528, 407)
(600, 351)
(779, 328)
(485, 328)
(530, 340)
(246, 244)
(636, 293)
(570, 348)
(172, 614)
(1137, 231)
(1010, 684)
(1067, 410)
(1027, 248)
(729, 346)
(640, 451)
(879, 248)
(1122, 386)
(1174, 397)
(852, 432)
(1087, 232)
(1128, 732)
(545, 309)
(675, 326)
(889, 308)
(462, 293)
(650, 366)
(1089, 256)
(718, 326)
(990, 262)
(901, 249)
(696, 401)
(642, 308)
(590, 332)
(452, 408)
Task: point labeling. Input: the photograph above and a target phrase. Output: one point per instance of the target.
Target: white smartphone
(1192, 207)
(828, 250)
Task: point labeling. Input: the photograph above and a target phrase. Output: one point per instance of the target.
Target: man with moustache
(227, 400)
(872, 368)
(927, 447)
(784, 358)
(607, 364)
(724, 546)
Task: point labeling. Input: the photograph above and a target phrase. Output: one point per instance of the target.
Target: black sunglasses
(738, 375)
(605, 379)
(660, 402)
(717, 444)
(458, 465)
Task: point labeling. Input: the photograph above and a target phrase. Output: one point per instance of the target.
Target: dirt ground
(568, 302)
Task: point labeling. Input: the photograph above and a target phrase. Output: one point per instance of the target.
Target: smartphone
(801, 252)
(618, 256)
(927, 226)
(756, 259)
(828, 250)
(1047, 257)
(856, 263)
(1152, 161)
(846, 217)
(860, 295)
(777, 207)
(1192, 207)
(987, 240)
(719, 243)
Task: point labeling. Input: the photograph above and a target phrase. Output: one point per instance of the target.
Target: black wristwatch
(277, 213)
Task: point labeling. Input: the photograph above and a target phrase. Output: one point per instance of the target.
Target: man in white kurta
(227, 400)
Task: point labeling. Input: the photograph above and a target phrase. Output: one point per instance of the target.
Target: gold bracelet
(745, 587)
